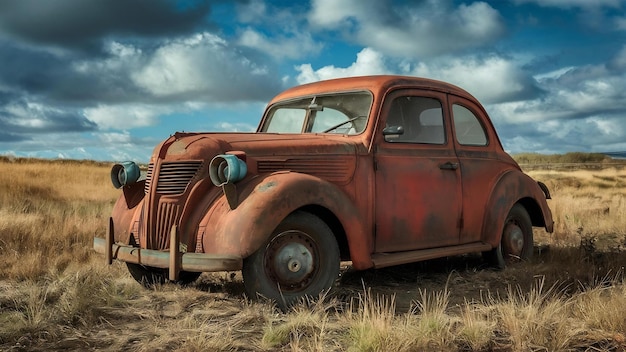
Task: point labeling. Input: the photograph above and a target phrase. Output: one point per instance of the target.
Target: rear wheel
(517, 239)
(150, 277)
(300, 259)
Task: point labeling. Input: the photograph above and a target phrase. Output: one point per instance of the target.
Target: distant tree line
(27, 160)
(568, 158)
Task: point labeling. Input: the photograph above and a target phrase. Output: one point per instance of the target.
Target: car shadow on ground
(403, 282)
(409, 282)
(465, 279)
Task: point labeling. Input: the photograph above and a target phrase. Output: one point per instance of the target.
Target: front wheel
(300, 259)
(517, 239)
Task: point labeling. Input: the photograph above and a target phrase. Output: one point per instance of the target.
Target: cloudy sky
(109, 79)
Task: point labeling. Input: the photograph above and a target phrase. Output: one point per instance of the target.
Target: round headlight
(125, 173)
(227, 168)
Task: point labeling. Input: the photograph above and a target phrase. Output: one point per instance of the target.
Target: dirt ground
(467, 278)
(220, 297)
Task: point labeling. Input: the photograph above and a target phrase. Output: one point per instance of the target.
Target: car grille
(148, 178)
(170, 178)
(167, 216)
(173, 177)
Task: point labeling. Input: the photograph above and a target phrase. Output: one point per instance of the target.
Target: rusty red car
(375, 170)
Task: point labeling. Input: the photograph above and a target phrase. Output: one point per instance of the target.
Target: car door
(475, 143)
(417, 177)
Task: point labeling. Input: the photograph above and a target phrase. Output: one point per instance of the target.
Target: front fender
(125, 209)
(514, 187)
(265, 201)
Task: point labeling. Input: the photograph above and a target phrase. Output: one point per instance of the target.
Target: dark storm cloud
(30, 29)
(51, 124)
(589, 90)
(54, 77)
(6, 97)
(510, 131)
(23, 118)
(12, 137)
(87, 53)
(19, 118)
(82, 23)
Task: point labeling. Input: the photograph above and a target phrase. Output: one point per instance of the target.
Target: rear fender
(266, 201)
(515, 187)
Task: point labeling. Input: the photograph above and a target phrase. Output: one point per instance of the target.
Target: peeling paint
(264, 187)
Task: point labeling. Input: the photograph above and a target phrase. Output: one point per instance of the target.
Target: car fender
(265, 201)
(512, 187)
(126, 209)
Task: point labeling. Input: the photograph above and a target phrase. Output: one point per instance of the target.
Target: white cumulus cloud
(124, 116)
(368, 62)
(573, 3)
(414, 30)
(203, 65)
(295, 45)
(491, 79)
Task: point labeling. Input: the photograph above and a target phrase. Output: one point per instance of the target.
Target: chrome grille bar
(148, 178)
(174, 177)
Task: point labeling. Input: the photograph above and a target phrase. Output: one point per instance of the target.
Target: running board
(382, 260)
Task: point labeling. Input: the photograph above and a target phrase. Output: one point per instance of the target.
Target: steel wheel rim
(512, 241)
(291, 260)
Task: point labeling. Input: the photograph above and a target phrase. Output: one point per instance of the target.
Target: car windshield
(344, 113)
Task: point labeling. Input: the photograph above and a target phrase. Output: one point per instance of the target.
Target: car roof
(378, 84)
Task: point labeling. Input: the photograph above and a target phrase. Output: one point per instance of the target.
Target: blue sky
(109, 79)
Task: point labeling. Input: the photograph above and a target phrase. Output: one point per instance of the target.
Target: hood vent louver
(337, 169)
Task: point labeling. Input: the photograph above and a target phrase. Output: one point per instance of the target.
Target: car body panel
(414, 188)
(386, 200)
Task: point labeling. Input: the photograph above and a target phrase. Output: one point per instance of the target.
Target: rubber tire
(150, 277)
(498, 257)
(258, 278)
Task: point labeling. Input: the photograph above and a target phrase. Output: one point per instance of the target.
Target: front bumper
(173, 260)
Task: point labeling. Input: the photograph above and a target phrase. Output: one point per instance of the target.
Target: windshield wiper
(341, 124)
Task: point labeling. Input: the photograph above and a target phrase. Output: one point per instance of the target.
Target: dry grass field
(56, 294)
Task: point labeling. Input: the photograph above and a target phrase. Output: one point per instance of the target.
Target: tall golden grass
(55, 293)
(49, 211)
(589, 203)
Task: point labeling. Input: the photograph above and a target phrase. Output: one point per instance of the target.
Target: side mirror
(392, 132)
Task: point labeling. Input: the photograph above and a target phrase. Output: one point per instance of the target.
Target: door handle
(449, 166)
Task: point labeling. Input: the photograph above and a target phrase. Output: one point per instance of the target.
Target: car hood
(330, 157)
(204, 146)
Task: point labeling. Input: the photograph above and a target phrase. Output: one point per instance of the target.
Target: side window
(468, 129)
(420, 119)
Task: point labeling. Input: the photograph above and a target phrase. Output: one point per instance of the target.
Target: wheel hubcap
(291, 260)
(512, 241)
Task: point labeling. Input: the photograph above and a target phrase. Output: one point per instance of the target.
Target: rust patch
(177, 148)
(264, 187)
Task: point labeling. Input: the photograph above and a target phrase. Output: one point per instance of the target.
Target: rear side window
(469, 130)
